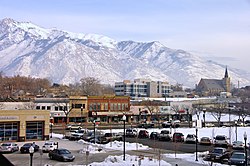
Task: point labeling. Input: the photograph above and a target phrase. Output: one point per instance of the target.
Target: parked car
(166, 124)
(113, 137)
(78, 134)
(221, 140)
(73, 127)
(237, 158)
(238, 145)
(9, 147)
(131, 132)
(90, 135)
(49, 145)
(154, 135)
(178, 137)
(219, 154)
(143, 134)
(191, 138)
(25, 148)
(146, 125)
(205, 141)
(165, 135)
(99, 140)
(61, 155)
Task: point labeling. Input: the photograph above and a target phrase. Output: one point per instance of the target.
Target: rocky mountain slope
(65, 57)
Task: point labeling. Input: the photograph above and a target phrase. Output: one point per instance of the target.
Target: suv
(49, 145)
(178, 137)
(218, 154)
(220, 140)
(131, 132)
(165, 135)
(191, 138)
(143, 134)
(9, 147)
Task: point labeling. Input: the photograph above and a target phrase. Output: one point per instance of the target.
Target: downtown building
(143, 88)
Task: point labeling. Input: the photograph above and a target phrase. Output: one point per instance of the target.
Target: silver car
(9, 147)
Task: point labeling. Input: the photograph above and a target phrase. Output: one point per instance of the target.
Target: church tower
(226, 81)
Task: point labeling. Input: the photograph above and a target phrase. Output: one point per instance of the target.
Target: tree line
(17, 86)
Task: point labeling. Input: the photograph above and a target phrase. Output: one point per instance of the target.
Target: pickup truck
(165, 135)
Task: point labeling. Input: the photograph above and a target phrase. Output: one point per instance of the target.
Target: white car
(49, 146)
(238, 145)
(191, 138)
(9, 147)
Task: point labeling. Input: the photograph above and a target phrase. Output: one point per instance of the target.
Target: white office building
(142, 88)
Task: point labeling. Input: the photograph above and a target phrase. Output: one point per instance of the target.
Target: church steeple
(226, 73)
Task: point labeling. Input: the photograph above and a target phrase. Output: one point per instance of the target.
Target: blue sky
(214, 28)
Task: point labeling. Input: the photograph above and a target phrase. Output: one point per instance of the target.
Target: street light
(81, 114)
(245, 139)
(235, 123)
(196, 143)
(124, 120)
(94, 131)
(51, 131)
(31, 151)
(204, 116)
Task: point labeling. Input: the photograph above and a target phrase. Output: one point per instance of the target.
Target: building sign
(9, 117)
(35, 117)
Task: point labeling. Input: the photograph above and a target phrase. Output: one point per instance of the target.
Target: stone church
(214, 87)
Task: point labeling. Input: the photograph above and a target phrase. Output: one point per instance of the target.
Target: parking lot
(19, 159)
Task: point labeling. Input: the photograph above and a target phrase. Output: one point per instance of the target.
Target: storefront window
(34, 130)
(8, 131)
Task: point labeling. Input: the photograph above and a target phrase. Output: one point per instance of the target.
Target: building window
(56, 108)
(38, 107)
(78, 106)
(43, 107)
(9, 131)
(48, 107)
(34, 130)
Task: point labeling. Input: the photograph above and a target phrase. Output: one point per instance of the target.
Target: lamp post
(124, 120)
(196, 143)
(31, 151)
(81, 114)
(94, 131)
(204, 116)
(245, 139)
(235, 123)
(51, 131)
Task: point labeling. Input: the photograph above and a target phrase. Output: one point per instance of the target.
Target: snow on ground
(84, 146)
(190, 157)
(129, 161)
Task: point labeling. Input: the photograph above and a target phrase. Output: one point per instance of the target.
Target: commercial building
(142, 88)
(24, 125)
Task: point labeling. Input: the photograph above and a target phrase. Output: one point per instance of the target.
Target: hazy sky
(214, 28)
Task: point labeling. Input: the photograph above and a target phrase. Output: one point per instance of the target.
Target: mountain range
(64, 57)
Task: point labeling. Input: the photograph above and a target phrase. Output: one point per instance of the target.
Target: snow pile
(130, 161)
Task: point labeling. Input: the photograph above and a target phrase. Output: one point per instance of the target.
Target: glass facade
(34, 130)
(9, 131)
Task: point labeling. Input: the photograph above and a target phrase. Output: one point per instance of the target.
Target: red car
(178, 137)
(143, 134)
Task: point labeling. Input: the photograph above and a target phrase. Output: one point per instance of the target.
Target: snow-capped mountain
(65, 57)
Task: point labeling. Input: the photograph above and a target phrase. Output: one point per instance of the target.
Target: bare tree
(90, 86)
(218, 111)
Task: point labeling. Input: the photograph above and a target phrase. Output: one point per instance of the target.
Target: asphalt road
(172, 146)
